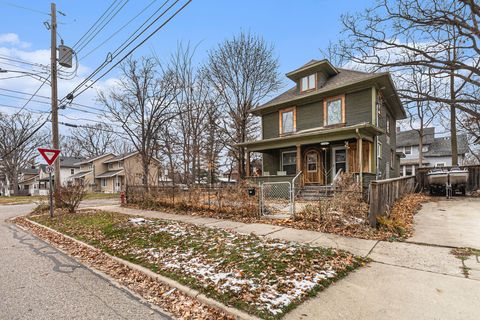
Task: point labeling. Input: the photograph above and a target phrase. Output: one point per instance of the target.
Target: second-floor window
(407, 150)
(308, 83)
(287, 121)
(334, 111)
(110, 166)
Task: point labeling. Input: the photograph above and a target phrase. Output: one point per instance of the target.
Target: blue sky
(297, 29)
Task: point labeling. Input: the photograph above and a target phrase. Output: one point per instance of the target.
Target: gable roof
(29, 170)
(94, 158)
(70, 162)
(412, 138)
(442, 146)
(122, 156)
(342, 79)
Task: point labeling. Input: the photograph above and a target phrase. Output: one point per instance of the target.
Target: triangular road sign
(50, 155)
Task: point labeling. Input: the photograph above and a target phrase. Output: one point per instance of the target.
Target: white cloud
(13, 39)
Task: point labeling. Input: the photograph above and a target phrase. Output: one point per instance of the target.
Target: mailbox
(251, 192)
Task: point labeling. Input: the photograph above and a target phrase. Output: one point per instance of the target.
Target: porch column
(247, 163)
(299, 158)
(360, 160)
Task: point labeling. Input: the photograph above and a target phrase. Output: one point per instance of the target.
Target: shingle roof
(411, 137)
(70, 162)
(343, 77)
(93, 158)
(109, 174)
(29, 170)
(121, 157)
(442, 146)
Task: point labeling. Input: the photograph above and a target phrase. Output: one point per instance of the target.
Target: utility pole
(53, 75)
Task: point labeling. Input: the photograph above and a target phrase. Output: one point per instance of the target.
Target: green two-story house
(332, 120)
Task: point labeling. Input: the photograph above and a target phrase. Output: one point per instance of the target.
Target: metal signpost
(50, 155)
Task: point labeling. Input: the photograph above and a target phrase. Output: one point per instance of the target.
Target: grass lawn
(21, 199)
(263, 277)
(92, 196)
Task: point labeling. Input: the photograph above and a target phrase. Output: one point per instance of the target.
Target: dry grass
(399, 222)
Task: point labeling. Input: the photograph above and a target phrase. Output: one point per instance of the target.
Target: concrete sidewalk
(404, 281)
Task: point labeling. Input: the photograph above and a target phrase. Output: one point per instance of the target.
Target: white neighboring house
(437, 152)
(38, 184)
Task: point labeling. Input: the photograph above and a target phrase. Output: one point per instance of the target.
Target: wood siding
(384, 162)
(358, 109)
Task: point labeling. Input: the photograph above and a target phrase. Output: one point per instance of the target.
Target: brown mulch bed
(171, 300)
(398, 225)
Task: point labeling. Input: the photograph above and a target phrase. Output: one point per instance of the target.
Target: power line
(45, 97)
(120, 7)
(118, 31)
(23, 7)
(22, 61)
(138, 45)
(111, 56)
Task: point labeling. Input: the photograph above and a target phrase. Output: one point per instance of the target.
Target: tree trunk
(453, 121)
(145, 172)
(420, 147)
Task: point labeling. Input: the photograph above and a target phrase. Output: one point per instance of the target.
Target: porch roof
(109, 174)
(79, 174)
(314, 136)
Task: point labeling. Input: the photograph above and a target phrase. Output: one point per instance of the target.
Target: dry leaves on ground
(263, 277)
(154, 291)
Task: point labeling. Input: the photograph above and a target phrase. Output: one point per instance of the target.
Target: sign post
(50, 155)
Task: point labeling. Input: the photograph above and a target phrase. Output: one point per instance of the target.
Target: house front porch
(319, 156)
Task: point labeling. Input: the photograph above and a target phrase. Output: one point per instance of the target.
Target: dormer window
(287, 121)
(308, 83)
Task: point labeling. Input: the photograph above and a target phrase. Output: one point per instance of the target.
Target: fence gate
(276, 198)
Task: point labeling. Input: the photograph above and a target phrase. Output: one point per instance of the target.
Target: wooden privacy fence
(473, 177)
(384, 193)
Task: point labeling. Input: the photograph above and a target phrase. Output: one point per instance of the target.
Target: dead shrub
(226, 201)
(346, 207)
(71, 196)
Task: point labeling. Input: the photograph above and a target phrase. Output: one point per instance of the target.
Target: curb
(240, 315)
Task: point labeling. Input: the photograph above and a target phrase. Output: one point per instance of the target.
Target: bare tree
(142, 104)
(91, 141)
(19, 143)
(243, 71)
(192, 101)
(435, 34)
(421, 113)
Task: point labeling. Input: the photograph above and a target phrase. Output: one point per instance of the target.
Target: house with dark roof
(331, 120)
(436, 151)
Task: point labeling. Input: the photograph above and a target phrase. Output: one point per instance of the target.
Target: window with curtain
(289, 162)
(288, 121)
(334, 111)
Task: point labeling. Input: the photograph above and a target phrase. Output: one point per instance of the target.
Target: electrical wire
(45, 97)
(118, 30)
(94, 24)
(23, 7)
(137, 46)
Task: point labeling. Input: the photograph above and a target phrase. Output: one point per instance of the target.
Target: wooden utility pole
(53, 76)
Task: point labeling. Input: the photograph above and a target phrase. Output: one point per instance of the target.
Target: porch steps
(316, 192)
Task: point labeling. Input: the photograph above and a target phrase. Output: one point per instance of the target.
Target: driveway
(453, 223)
(39, 282)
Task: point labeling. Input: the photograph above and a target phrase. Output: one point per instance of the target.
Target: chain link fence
(276, 198)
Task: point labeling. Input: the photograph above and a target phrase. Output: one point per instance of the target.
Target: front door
(312, 167)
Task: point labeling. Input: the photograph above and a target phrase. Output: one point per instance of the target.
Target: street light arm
(33, 75)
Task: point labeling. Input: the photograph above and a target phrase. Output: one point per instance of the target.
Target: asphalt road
(39, 282)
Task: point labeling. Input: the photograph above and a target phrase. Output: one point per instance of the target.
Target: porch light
(324, 143)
